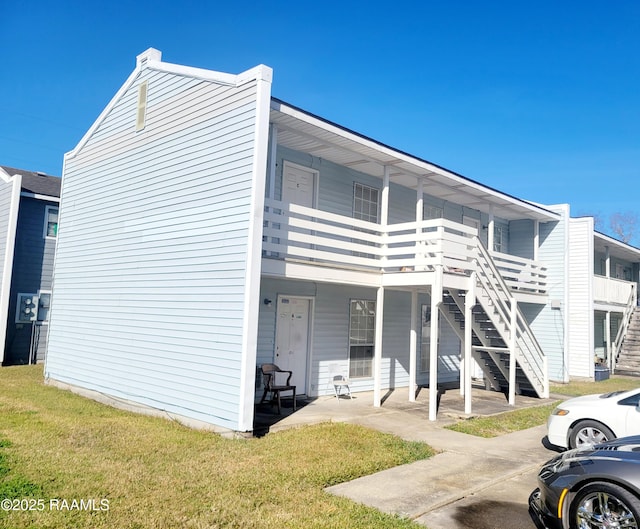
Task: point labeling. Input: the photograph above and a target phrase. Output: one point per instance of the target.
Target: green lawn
(529, 417)
(153, 473)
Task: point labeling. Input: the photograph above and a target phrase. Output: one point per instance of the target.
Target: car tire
(600, 500)
(589, 432)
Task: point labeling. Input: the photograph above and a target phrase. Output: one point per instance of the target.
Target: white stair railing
(497, 301)
(616, 347)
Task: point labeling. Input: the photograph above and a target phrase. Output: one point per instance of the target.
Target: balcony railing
(611, 291)
(304, 234)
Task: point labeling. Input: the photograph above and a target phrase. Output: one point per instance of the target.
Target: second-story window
(498, 239)
(432, 212)
(366, 202)
(51, 222)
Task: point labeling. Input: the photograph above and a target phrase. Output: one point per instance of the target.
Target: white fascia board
(254, 258)
(259, 73)
(423, 166)
(39, 197)
(127, 84)
(7, 269)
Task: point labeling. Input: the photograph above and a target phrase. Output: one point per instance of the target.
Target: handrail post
(512, 352)
(469, 302)
(436, 300)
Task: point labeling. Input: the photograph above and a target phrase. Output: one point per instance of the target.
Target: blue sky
(540, 100)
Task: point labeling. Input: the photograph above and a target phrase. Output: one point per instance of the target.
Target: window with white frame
(51, 222)
(366, 202)
(362, 330)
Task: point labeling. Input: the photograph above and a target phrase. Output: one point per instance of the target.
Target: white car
(594, 419)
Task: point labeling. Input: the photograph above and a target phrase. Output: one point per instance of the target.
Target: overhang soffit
(335, 147)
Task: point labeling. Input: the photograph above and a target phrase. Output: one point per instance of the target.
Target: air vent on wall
(142, 106)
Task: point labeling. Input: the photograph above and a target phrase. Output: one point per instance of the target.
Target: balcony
(611, 291)
(304, 235)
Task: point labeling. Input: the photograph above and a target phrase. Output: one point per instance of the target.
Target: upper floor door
(298, 184)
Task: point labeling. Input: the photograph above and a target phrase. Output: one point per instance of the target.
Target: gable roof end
(152, 59)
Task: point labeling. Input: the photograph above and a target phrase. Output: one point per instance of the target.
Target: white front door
(292, 339)
(298, 184)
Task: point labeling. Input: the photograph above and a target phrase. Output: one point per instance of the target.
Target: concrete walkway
(464, 466)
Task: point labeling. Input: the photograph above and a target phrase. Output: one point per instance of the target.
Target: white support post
(384, 201)
(413, 346)
(419, 218)
(490, 228)
(469, 303)
(607, 262)
(536, 240)
(273, 160)
(512, 352)
(384, 211)
(436, 300)
(377, 352)
(419, 199)
(607, 332)
(463, 363)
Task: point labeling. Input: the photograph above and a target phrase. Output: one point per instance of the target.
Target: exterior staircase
(628, 361)
(499, 329)
(489, 350)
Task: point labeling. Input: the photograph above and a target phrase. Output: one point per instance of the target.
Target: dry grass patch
(575, 388)
(158, 474)
(522, 419)
(503, 423)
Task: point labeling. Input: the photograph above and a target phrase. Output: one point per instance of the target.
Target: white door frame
(307, 372)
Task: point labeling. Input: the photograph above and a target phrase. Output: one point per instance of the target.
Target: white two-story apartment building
(208, 227)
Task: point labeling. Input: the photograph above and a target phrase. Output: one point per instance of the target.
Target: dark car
(590, 487)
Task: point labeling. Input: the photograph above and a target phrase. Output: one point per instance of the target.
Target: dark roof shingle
(37, 183)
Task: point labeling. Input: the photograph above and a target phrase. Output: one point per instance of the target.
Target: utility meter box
(27, 309)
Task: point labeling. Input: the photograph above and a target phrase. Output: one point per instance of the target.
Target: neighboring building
(210, 228)
(29, 204)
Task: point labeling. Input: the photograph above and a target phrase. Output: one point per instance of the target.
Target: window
(432, 212)
(366, 202)
(362, 330)
(51, 222)
(498, 239)
(425, 337)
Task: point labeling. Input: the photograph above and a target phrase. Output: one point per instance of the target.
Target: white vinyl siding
(521, 238)
(149, 295)
(547, 323)
(9, 204)
(580, 331)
